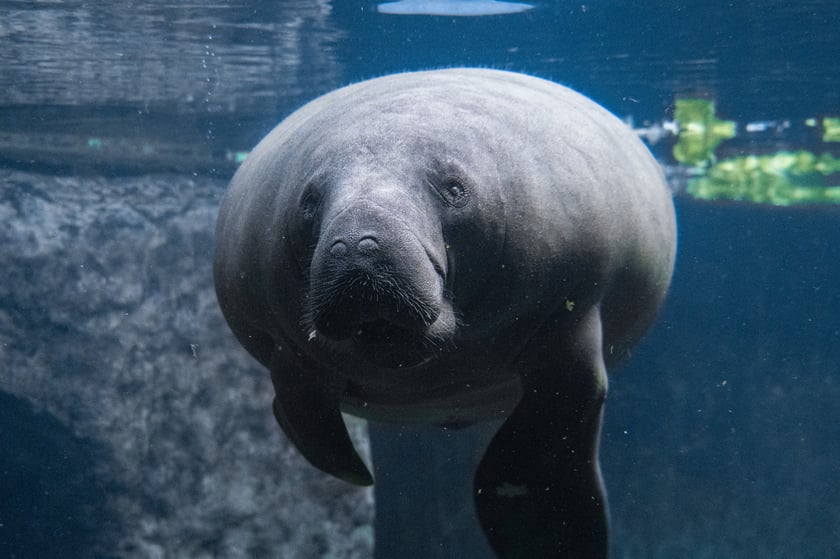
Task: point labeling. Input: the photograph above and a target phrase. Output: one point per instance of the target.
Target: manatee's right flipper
(538, 489)
(307, 409)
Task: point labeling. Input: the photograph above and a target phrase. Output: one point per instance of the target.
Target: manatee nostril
(338, 248)
(368, 245)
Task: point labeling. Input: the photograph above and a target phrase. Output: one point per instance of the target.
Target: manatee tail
(538, 489)
(308, 412)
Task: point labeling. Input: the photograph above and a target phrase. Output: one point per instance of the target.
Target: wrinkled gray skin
(448, 247)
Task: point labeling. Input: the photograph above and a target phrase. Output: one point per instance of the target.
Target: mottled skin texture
(447, 247)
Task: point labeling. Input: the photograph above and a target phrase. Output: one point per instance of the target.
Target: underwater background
(133, 425)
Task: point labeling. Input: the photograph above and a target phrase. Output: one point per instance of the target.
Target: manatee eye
(453, 191)
(310, 205)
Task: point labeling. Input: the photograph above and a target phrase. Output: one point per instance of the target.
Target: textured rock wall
(109, 324)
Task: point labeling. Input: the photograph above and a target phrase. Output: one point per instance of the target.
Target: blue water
(721, 436)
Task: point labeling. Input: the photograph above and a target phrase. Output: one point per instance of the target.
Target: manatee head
(381, 262)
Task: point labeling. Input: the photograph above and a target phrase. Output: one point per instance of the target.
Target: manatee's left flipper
(307, 409)
(538, 489)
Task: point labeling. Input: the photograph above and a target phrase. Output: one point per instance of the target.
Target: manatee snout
(373, 281)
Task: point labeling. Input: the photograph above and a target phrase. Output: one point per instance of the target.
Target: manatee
(449, 247)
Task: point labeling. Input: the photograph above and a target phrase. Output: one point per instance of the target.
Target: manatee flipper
(538, 489)
(307, 410)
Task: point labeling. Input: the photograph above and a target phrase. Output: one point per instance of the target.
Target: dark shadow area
(423, 490)
(53, 503)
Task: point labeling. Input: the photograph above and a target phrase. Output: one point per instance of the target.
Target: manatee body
(449, 247)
